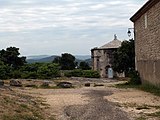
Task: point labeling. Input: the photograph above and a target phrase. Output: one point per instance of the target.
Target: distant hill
(47, 58)
(37, 57)
(89, 61)
(82, 57)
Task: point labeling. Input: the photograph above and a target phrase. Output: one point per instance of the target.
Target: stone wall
(147, 45)
(100, 59)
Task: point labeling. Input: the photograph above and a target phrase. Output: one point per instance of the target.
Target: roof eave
(103, 48)
(143, 10)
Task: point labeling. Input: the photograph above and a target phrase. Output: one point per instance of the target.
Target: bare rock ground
(82, 104)
(98, 103)
(97, 109)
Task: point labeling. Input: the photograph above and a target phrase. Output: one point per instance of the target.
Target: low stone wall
(149, 71)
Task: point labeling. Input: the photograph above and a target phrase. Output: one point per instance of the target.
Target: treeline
(14, 66)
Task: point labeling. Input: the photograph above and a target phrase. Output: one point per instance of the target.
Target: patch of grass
(54, 87)
(97, 85)
(141, 118)
(150, 88)
(7, 100)
(146, 87)
(37, 114)
(139, 107)
(156, 114)
(24, 106)
(20, 106)
(52, 117)
(33, 86)
(126, 85)
(49, 87)
(20, 117)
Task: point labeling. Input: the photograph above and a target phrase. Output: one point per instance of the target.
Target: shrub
(45, 84)
(97, 85)
(151, 88)
(48, 71)
(84, 66)
(82, 73)
(74, 73)
(31, 85)
(16, 74)
(4, 71)
(30, 75)
(68, 74)
(40, 70)
(87, 84)
(134, 78)
(91, 74)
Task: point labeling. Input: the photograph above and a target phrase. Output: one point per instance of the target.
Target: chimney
(115, 37)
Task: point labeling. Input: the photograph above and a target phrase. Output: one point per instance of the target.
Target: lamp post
(129, 31)
(129, 35)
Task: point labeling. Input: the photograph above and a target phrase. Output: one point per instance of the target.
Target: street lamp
(129, 31)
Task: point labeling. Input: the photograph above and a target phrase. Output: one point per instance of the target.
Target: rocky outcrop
(16, 83)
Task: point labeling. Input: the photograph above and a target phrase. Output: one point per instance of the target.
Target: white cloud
(65, 19)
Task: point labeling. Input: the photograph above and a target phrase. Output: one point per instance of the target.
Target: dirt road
(82, 104)
(99, 103)
(97, 109)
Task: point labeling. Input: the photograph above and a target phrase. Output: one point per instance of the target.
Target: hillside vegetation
(14, 66)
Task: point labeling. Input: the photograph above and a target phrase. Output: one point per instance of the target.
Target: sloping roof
(113, 44)
(143, 10)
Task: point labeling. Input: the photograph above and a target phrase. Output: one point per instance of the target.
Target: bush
(16, 74)
(48, 71)
(91, 74)
(87, 84)
(4, 71)
(134, 78)
(148, 87)
(84, 66)
(68, 74)
(40, 70)
(74, 73)
(82, 73)
(29, 75)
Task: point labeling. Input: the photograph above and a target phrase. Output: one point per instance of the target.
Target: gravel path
(97, 108)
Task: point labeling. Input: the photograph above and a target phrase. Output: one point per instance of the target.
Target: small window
(145, 21)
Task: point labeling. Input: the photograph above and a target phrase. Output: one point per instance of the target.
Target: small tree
(84, 66)
(66, 61)
(124, 57)
(10, 56)
(4, 71)
(48, 70)
(57, 60)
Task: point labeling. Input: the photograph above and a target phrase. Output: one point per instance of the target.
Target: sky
(53, 27)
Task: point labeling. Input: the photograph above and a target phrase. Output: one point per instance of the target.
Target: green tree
(57, 60)
(10, 57)
(4, 71)
(40, 70)
(124, 57)
(48, 70)
(66, 61)
(84, 65)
